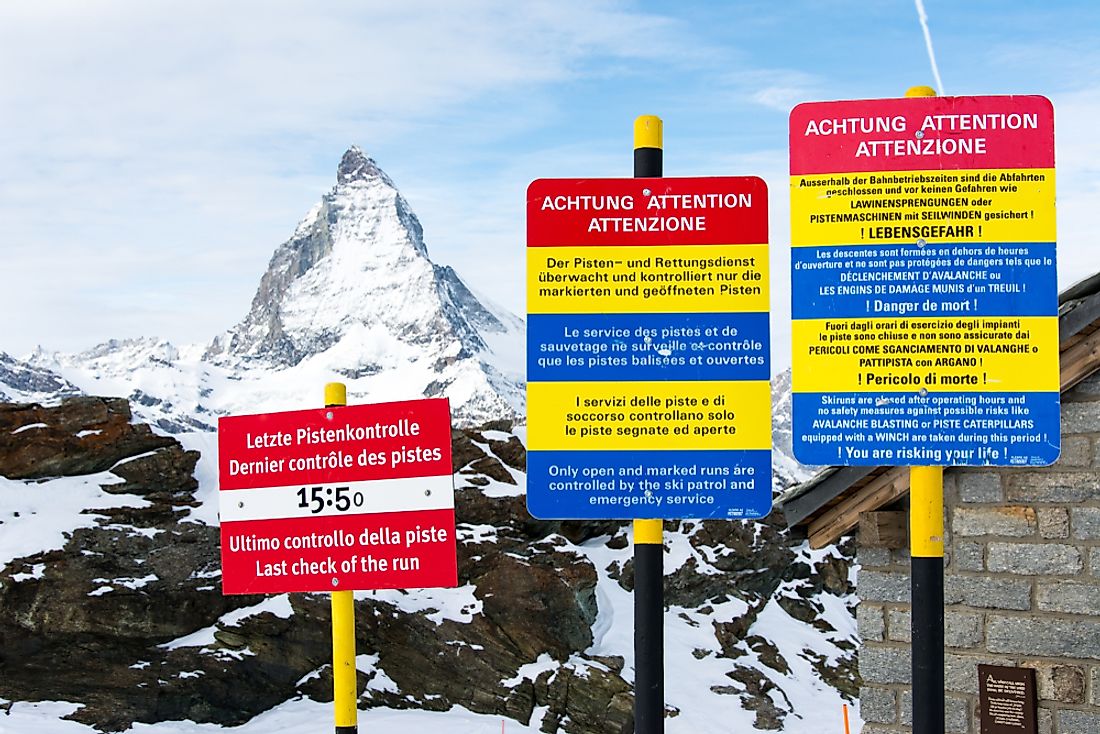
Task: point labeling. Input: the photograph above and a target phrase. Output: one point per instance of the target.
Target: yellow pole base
(344, 693)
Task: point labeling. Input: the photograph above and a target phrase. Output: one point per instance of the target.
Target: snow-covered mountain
(117, 526)
(23, 382)
(760, 629)
(786, 470)
(351, 296)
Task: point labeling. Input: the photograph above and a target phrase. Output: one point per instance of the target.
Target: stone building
(1021, 555)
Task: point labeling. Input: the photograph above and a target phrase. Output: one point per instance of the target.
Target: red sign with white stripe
(915, 133)
(339, 498)
(593, 212)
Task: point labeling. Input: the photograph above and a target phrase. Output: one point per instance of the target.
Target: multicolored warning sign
(648, 348)
(924, 290)
(339, 498)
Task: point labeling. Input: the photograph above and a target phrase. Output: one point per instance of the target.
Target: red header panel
(720, 210)
(922, 133)
(339, 444)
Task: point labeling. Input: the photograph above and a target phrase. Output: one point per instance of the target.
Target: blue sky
(153, 155)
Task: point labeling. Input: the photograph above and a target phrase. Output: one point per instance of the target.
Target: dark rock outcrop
(128, 619)
(82, 435)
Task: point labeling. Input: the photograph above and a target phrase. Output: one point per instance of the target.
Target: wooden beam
(1080, 360)
(842, 517)
(884, 529)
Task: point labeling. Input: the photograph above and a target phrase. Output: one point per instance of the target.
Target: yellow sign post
(344, 693)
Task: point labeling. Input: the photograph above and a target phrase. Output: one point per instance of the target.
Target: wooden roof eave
(829, 504)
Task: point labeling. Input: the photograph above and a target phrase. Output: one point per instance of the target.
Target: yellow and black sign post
(649, 601)
(344, 694)
(926, 550)
(925, 328)
(926, 580)
(635, 286)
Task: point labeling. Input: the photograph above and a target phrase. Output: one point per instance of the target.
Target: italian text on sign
(648, 348)
(924, 292)
(339, 498)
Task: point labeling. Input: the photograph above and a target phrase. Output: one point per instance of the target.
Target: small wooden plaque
(1006, 700)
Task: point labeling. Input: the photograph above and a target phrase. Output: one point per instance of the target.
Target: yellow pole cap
(336, 393)
(649, 532)
(920, 91)
(926, 511)
(648, 132)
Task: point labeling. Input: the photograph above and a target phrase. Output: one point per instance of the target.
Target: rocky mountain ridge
(109, 540)
(351, 296)
(108, 552)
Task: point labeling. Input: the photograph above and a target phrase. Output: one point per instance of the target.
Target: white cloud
(153, 154)
(781, 89)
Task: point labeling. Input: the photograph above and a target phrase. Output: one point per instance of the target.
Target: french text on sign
(648, 343)
(926, 280)
(923, 269)
(639, 347)
(308, 498)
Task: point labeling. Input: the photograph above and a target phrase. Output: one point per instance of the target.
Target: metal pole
(649, 602)
(344, 693)
(926, 564)
(926, 549)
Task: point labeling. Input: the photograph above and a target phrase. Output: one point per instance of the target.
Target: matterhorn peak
(358, 166)
(354, 292)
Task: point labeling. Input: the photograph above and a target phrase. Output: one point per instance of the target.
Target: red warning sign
(338, 498)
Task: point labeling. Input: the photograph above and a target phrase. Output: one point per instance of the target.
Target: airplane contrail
(928, 42)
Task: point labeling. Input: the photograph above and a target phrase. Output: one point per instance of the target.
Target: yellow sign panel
(672, 279)
(974, 354)
(941, 206)
(647, 348)
(923, 273)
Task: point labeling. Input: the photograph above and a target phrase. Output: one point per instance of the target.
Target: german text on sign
(339, 498)
(924, 290)
(648, 348)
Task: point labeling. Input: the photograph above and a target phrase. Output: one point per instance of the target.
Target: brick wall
(1021, 587)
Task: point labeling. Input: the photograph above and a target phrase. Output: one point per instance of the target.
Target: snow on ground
(206, 474)
(692, 662)
(278, 605)
(692, 665)
(37, 516)
(293, 717)
(457, 605)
